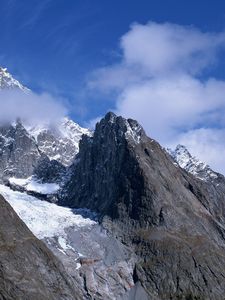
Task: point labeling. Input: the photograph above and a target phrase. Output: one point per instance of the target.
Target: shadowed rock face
(18, 152)
(43, 152)
(28, 270)
(173, 221)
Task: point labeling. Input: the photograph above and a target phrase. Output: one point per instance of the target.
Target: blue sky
(89, 54)
(52, 45)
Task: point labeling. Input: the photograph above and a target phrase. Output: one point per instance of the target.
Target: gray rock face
(59, 141)
(18, 152)
(28, 269)
(174, 222)
(46, 154)
(191, 164)
(100, 264)
(25, 147)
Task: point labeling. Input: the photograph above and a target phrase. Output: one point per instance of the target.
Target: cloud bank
(161, 81)
(30, 107)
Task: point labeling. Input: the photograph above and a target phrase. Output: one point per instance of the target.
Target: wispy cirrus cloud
(160, 81)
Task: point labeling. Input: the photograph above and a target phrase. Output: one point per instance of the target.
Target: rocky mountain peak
(23, 146)
(167, 216)
(7, 81)
(121, 127)
(191, 164)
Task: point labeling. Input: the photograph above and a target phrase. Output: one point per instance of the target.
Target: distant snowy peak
(72, 130)
(60, 141)
(8, 82)
(191, 164)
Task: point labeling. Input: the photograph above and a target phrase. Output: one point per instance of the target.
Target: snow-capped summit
(8, 82)
(60, 141)
(191, 164)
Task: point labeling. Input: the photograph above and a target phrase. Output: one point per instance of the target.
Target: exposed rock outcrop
(28, 269)
(173, 221)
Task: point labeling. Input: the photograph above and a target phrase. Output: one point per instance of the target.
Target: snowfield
(32, 185)
(44, 219)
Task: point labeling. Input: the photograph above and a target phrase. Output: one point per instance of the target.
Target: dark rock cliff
(21, 157)
(173, 221)
(28, 269)
(18, 152)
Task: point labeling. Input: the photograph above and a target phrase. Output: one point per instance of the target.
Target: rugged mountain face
(8, 82)
(98, 264)
(59, 142)
(28, 269)
(213, 182)
(164, 214)
(191, 164)
(34, 161)
(23, 148)
(18, 151)
(27, 149)
(173, 221)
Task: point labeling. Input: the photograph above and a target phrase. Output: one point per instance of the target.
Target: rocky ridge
(161, 230)
(36, 150)
(34, 160)
(7, 81)
(174, 222)
(191, 164)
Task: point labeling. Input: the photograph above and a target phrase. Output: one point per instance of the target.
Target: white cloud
(158, 83)
(30, 107)
(165, 107)
(207, 143)
(162, 48)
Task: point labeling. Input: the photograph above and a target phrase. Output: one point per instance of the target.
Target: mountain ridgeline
(135, 221)
(174, 222)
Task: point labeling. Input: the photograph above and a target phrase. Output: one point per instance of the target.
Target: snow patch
(134, 132)
(44, 219)
(63, 244)
(58, 141)
(32, 185)
(191, 164)
(8, 82)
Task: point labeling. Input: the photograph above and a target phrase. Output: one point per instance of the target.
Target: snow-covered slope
(8, 82)
(23, 146)
(96, 261)
(31, 184)
(59, 141)
(191, 164)
(44, 219)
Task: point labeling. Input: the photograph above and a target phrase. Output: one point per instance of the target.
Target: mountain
(174, 222)
(99, 266)
(43, 151)
(8, 82)
(28, 269)
(59, 141)
(35, 161)
(129, 221)
(191, 164)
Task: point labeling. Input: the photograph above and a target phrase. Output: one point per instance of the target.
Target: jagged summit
(173, 222)
(21, 147)
(130, 128)
(8, 82)
(59, 142)
(110, 116)
(186, 161)
(165, 227)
